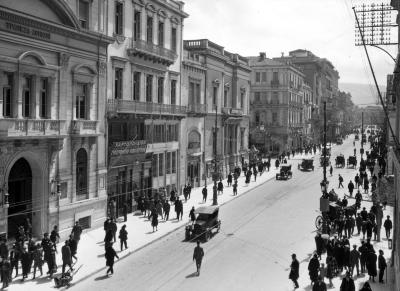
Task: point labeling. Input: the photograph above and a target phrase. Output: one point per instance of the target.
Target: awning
(233, 120)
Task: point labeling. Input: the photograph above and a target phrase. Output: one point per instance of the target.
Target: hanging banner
(128, 147)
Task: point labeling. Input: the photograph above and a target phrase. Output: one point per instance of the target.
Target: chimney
(262, 56)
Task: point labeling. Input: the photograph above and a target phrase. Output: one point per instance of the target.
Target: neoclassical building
(144, 100)
(226, 91)
(52, 104)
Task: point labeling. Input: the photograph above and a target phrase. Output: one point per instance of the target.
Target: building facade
(52, 104)
(323, 79)
(193, 130)
(278, 109)
(227, 89)
(144, 101)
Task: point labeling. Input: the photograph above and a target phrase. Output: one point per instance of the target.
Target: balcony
(131, 106)
(237, 111)
(44, 128)
(197, 109)
(152, 51)
(84, 127)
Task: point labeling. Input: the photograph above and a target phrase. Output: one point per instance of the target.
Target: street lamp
(216, 172)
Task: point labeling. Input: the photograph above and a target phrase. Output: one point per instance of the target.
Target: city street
(259, 232)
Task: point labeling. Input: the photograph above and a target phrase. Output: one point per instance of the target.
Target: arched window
(194, 140)
(81, 173)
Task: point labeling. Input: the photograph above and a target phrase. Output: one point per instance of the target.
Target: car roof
(285, 165)
(206, 209)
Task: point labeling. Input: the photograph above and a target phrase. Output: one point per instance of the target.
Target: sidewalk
(91, 246)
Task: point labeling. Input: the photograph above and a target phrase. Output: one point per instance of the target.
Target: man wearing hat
(319, 285)
(388, 225)
(347, 283)
(354, 260)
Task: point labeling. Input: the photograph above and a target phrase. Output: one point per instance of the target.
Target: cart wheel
(318, 222)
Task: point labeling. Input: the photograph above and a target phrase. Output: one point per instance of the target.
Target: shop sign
(128, 147)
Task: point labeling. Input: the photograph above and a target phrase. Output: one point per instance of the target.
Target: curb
(158, 239)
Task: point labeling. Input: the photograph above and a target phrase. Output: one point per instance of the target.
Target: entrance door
(193, 173)
(20, 196)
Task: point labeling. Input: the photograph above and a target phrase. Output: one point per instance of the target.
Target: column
(17, 95)
(3, 81)
(36, 87)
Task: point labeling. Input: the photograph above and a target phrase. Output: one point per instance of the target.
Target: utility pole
(324, 142)
(215, 174)
(362, 134)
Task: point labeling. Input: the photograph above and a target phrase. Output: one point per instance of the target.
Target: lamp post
(362, 134)
(216, 172)
(324, 200)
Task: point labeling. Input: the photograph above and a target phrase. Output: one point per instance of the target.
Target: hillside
(362, 94)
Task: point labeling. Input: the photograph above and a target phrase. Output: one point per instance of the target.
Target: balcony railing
(196, 109)
(84, 127)
(131, 106)
(12, 127)
(237, 111)
(158, 53)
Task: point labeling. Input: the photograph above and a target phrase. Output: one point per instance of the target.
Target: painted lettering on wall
(28, 31)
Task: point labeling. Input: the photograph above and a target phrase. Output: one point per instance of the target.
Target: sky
(325, 27)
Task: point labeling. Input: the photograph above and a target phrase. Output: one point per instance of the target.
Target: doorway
(193, 173)
(20, 196)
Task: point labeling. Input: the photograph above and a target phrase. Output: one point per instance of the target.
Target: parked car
(340, 161)
(306, 164)
(285, 172)
(352, 162)
(206, 223)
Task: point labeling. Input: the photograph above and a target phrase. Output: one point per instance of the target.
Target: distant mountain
(362, 94)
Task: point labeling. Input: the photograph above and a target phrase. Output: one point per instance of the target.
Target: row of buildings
(103, 99)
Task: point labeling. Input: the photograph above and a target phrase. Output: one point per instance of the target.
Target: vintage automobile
(306, 164)
(352, 162)
(285, 172)
(206, 222)
(334, 212)
(339, 140)
(324, 161)
(340, 161)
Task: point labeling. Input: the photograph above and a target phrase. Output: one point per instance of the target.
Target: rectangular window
(43, 98)
(264, 76)
(173, 39)
(161, 34)
(84, 14)
(119, 14)
(258, 77)
(197, 93)
(275, 77)
(154, 166)
(173, 162)
(274, 117)
(160, 90)
(149, 29)
(168, 163)
(191, 92)
(81, 101)
(160, 164)
(137, 25)
(173, 92)
(7, 96)
(149, 88)
(26, 96)
(215, 96)
(242, 95)
(275, 98)
(118, 83)
(242, 138)
(136, 86)
(226, 97)
(257, 96)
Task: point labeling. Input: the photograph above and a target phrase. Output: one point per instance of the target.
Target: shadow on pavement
(194, 274)
(101, 278)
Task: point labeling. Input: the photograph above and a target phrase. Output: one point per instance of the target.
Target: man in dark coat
(204, 192)
(5, 272)
(388, 225)
(166, 208)
(347, 283)
(371, 265)
(229, 179)
(113, 228)
(123, 237)
(319, 244)
(26, 262)
(125, 211)
(198, 255)
(76, 232)
(294, 271)
(354, 260)
(110, 255)
(66, 257)
(313, 267)
(73, 247)
(350, 186)
(382, 266)
(3, 249)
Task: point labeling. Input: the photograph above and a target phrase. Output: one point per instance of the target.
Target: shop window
(173, 158)
(7, 95)
(154, 166)
(84, 222)
(81, 174)
(168, 163)
(161, 165)
(81, 102)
